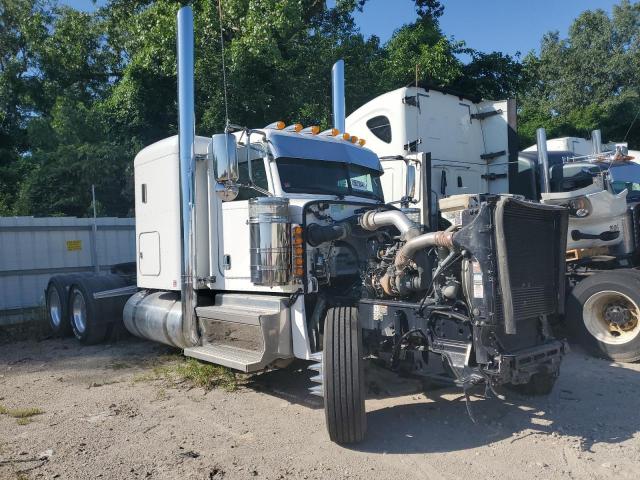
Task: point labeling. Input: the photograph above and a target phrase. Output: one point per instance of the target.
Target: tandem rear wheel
(343, 376)
(603, 314)
(72, 308)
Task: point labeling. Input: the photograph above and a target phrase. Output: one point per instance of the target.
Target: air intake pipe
(373, 220)
(432, 239)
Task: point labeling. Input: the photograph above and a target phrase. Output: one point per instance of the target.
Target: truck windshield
(328, 178)
(626, 176)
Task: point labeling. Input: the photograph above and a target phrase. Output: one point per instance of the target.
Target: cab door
(233, 255)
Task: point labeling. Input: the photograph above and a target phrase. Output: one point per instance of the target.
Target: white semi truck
(258, 247)
(460, 147)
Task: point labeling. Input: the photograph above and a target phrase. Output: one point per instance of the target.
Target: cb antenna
(224, 69)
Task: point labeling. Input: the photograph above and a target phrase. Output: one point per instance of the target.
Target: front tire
(603, 314)
(343, 376)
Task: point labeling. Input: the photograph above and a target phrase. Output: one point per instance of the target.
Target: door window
(259, 174)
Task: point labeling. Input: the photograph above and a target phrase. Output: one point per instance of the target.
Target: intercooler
(530, 244)
(518, 259)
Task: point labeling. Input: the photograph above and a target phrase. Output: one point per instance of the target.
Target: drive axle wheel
(56, 296)
(343, 376)
(84, 316)
(604, 313)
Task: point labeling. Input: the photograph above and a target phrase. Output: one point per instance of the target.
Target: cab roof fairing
(320, 147)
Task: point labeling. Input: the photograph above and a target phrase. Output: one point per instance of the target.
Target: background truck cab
(471, 141)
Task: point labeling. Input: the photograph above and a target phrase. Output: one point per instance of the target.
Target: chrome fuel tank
(156, 316)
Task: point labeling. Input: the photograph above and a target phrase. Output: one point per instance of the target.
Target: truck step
(244, 332)
(237, 358)
(317, 390)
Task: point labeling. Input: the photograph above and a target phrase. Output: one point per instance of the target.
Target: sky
(507, 26)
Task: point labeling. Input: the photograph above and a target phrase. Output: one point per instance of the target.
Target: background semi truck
(256, 247)
(601, 188)
(455, 146)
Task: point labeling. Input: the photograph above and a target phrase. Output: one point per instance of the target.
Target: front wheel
(603, 313)
(343, 376)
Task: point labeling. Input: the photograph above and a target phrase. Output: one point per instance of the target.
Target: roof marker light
(354, 139)
(361, 142)
(312, 130)
(276, 125)
(346, 136)
(296, 127)
(332, 132)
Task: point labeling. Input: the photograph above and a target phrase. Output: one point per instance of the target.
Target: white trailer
(258, 247)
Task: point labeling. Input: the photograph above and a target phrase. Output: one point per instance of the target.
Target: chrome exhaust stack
(337, 84)
(596, 141)
(543, 159)
(186, 139)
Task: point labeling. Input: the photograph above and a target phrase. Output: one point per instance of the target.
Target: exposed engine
(478, 294)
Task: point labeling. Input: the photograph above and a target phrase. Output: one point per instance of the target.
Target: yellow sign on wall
(73, 245)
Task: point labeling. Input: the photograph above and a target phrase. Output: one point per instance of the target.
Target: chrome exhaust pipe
(596, 141)
(543, 159)
(337, 83)
(186, 139)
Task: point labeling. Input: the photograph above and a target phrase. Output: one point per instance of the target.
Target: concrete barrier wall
(34, 249)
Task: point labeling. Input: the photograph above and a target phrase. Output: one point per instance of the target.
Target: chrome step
(317, 390)
(245, 332)
(239, 359)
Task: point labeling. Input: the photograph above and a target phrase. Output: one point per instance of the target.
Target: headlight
(579, 207)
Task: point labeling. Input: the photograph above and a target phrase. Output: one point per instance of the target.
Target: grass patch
(198, 374)
(23, 415)
(193, 372)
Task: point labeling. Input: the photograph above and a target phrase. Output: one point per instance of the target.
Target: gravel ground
(106, 415)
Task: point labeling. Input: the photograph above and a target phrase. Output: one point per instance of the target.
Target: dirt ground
(106, 414)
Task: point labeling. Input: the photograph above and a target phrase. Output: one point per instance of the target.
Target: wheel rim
(79, 311)
(55, 307)
(611, 317)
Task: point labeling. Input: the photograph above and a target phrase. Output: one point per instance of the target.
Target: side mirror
(411, 182)
(223, 153)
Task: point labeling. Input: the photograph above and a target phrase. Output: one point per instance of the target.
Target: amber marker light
(298, 251)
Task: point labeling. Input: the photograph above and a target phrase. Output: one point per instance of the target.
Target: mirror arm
(256, 188)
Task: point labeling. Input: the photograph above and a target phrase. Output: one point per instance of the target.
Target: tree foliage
(588, 80)
(81, 93)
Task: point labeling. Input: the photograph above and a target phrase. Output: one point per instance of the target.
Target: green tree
(23, 25)
(420, 50)
(588, 80)
(70, 152)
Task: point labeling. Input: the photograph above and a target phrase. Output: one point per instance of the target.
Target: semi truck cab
(256, 247)
(248, 215)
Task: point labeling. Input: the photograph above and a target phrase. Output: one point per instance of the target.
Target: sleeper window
(380, 126)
